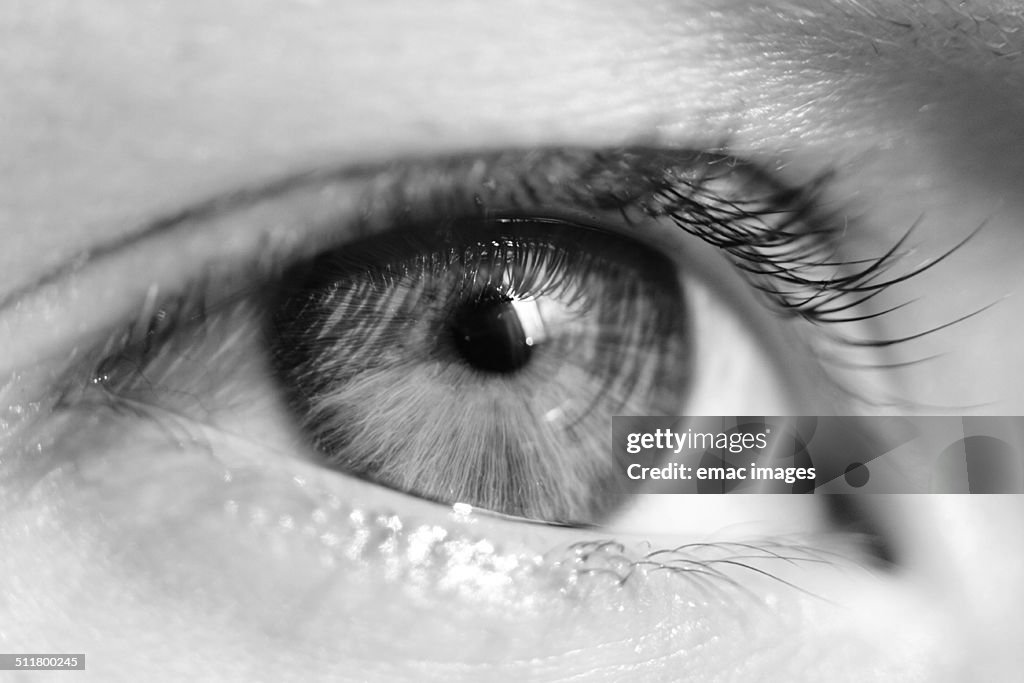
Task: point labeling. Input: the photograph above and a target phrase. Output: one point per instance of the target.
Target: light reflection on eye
(184, 353)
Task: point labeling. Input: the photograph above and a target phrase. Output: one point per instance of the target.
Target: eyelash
(699, 562)
(799, 274)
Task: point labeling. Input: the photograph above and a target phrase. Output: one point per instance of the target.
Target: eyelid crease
(202, 211)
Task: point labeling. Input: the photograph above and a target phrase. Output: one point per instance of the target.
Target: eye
(479, 361)
(463, 329)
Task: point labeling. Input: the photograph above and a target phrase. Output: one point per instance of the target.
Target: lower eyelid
(230, 520)
(228, 493)
(537, 597)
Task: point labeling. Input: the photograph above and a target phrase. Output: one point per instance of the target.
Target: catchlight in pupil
(489, 334)
(481, 360)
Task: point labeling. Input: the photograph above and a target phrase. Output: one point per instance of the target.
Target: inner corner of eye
(481, 361)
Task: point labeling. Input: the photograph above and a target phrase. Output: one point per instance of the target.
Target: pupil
(489, 335)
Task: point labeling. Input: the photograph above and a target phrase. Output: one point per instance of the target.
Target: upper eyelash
(784, 261)
(778, 257)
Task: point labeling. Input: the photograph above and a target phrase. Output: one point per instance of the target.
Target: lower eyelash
(703, 565)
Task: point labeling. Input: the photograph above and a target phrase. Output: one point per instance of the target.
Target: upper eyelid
(223, 204)
(247, 229)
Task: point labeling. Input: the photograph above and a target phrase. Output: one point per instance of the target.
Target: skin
(124, 545)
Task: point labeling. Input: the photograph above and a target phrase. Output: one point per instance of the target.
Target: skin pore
(131, 544)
